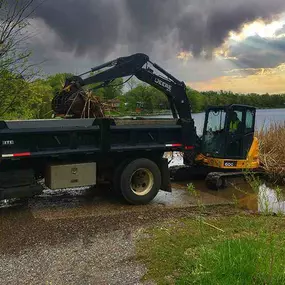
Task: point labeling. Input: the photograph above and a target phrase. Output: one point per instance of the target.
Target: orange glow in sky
(242, 79)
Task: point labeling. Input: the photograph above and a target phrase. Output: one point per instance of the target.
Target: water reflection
(265, 200)
(270, 201)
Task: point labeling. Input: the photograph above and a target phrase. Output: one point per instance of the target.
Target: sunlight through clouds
(269, 80)
(257, 54)
(257, 28)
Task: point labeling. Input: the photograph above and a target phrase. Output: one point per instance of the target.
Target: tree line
(22, 99)
(199, 101)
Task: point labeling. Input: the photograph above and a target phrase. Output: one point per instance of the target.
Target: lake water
(264, 118)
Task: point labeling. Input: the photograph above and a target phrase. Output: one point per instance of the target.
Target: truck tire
(140, 181)
(116, 185)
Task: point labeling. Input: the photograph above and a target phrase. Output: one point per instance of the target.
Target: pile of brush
(272, 151)
(77, 103)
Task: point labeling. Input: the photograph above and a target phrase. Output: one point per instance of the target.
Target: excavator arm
(133, 65)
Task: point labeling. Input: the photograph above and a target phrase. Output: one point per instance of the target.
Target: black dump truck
(75, 152)
(128, 153)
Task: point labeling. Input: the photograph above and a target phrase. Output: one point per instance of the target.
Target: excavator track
(220, 180)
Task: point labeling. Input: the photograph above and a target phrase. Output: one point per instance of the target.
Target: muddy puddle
(263, 199)
(85, 202)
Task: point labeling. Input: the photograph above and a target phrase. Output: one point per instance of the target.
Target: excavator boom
(133, 65)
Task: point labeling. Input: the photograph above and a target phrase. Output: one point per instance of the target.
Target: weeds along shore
(272, 151)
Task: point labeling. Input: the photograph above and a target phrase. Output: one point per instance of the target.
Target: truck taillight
(20, 154)
(189, 147)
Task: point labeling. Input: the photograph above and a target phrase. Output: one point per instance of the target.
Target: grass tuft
(238, 261)
(248, 250)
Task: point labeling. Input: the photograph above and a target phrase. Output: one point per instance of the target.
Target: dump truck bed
(43, 138)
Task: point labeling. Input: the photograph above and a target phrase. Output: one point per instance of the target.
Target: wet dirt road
(81, 237)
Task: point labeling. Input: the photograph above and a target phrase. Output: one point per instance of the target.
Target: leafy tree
(40, 96)
(56, 81)
(197, 101)
(15, 69)
(141, 94)
(13, 35)
(13, 95)
(113, 90)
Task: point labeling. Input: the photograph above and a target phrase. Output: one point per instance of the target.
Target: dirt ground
(79, 237)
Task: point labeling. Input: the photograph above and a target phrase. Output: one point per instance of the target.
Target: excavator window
(216, 121)
(249, 121)
(214, 133)
(249, 130)
(228, 131)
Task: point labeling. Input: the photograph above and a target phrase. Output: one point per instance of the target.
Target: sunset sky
(211, 45)
(261, 48)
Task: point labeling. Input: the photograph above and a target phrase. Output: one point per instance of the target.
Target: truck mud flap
(165, 176)
(19, 183)
(21, 192)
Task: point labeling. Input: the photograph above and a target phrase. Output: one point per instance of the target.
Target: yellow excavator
(227, 147)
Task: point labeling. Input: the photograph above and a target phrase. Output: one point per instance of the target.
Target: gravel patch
(103, 259)
(74, 239)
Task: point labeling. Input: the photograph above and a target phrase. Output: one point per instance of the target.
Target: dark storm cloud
(98, 26)
(152, 18)
(257, 52)
(83, 26)
(207, 28)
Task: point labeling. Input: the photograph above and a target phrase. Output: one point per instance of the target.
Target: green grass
(231, 250)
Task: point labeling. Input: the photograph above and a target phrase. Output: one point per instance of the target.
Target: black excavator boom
(133, 65)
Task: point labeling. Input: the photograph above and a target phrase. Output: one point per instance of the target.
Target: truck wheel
(116, 185)
(140, 181)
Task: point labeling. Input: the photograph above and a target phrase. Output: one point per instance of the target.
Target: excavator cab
(228, 138)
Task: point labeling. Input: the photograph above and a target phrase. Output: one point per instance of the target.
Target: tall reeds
(272, 151)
